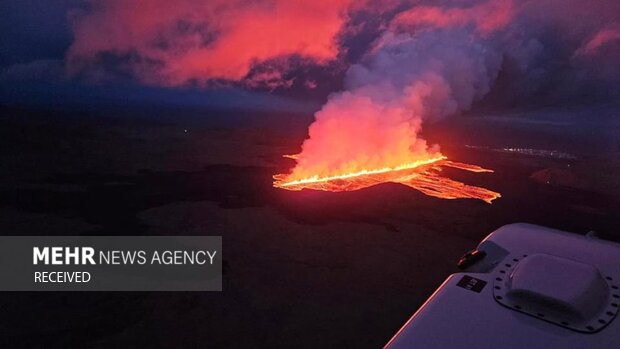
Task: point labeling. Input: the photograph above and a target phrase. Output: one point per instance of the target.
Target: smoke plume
(430, 64)
(436, 61)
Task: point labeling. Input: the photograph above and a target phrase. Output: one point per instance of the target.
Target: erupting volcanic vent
(409, 63)
(423, 176)
(429, 64)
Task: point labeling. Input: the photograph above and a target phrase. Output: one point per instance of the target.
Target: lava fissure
(422, 175)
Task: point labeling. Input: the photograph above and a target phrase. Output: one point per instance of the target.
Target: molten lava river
(423, 175)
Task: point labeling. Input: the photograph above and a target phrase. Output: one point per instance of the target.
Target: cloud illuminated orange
(175, 42)
(601, 38)
(486, 16)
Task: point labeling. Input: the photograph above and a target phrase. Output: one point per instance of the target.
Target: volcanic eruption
(423, 176)
(428, 65)
(415, 63)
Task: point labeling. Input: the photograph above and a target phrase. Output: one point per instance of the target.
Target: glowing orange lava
(421, 175)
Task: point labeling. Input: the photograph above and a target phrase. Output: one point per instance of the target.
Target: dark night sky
(34, 30)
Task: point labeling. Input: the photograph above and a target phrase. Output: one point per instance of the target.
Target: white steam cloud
(406, 79)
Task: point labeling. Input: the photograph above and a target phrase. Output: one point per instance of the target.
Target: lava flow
(422, 175)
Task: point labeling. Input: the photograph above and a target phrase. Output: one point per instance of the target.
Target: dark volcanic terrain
(302, 269)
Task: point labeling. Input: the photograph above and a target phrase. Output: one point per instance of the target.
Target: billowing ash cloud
(429, 64)
(435, 61)
(407, 80)
(165, 42)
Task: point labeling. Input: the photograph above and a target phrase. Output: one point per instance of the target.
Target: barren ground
(302, 269)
